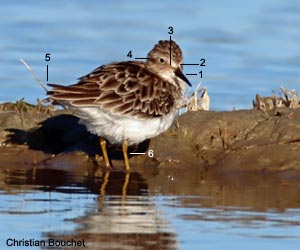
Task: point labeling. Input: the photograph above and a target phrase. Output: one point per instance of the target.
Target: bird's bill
(179, 74)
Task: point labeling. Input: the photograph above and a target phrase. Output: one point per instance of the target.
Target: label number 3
(170, 30)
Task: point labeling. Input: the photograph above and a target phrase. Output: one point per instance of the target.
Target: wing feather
(125, 88)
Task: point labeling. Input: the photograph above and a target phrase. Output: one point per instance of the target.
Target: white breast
(118, 128)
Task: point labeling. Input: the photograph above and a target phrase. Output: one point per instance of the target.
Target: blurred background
(249, 46)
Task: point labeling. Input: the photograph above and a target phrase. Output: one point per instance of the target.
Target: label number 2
(202, 62)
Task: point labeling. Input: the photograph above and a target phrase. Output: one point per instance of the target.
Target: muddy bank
(245, 158)
(245, 140)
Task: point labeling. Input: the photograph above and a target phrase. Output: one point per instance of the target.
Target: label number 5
(47, 57)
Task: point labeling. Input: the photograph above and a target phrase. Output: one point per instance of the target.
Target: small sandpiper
(128, 102)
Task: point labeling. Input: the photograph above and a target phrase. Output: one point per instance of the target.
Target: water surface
(250, 46)
(140, 211)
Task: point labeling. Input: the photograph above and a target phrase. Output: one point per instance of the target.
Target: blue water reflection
(41, 215)
(250, 47)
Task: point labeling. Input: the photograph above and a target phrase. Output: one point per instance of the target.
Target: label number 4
(129, 54)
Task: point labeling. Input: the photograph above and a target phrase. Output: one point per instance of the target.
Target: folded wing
(120, 88)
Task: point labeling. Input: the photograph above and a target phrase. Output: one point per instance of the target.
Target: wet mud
(198, 144)
(246, 158)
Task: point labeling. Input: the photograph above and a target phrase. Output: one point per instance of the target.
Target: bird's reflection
(122, 217)
(111, 182)
(106, 179)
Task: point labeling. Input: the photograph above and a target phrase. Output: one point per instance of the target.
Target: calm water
(250, 47)
(211, 214)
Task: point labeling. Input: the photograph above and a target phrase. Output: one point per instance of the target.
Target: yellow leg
(104, 152)
(125, 147)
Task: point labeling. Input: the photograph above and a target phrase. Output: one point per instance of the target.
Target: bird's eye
(161, 60)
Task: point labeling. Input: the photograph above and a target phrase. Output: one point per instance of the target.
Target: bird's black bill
(179, 74)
